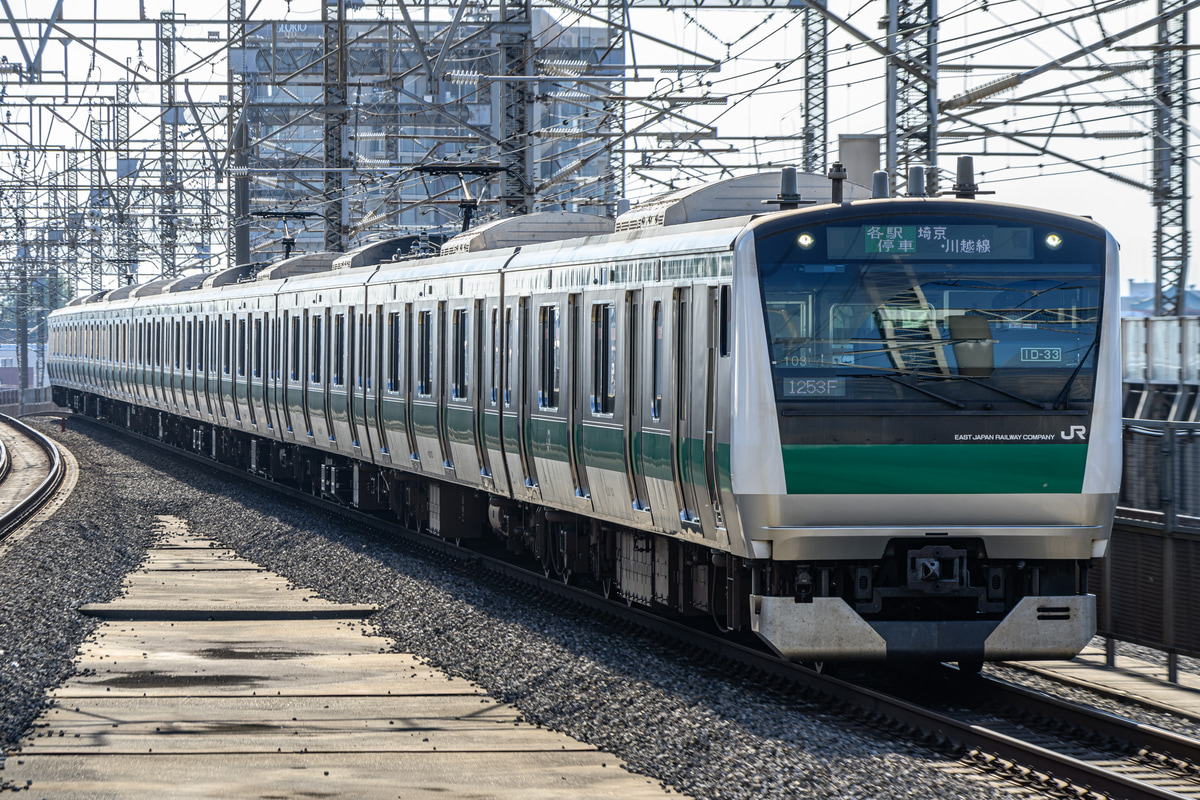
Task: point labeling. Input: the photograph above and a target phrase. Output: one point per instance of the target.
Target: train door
(689, 389)
(337, 400)
(291, 352)
(217, 365)
(270, 359)
(709, 329)
(189, 366)
(491, 399)
(424, 412)
(461, 407)
(365, 379)
(379, 378)
(354, 376)
(653, 436)
(603, 451)
(409, 387)
(636, 340)
(209, 379)
(515, 390)
(316, 392)
(241, 370)
(256, 368)
(392, 394)
(551, 401)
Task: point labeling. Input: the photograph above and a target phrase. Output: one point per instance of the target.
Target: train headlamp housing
(806, 241)
(1054, 241)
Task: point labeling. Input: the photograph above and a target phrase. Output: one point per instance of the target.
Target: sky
(761, 78)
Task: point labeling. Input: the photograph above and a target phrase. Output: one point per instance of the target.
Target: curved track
(1019, 734)
(34, 471)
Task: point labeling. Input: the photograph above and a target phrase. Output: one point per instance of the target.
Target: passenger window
(316, 349)
(241, 348)
(549, 369)
(604, 358)
(656, 363)
(339, 349)
(494, 394)
(226, 346)
(259, 346)
(461, 351)
(425, 353)
(726, 314)
(393, 378)
(296, 344)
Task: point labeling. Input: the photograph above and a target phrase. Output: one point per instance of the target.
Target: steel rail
(972, 738)
(26, 508)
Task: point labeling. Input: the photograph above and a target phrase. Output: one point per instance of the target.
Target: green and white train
(875, 429)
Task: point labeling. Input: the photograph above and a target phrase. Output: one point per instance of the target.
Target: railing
(1161, 350)
(1149, 585)
(13, 399)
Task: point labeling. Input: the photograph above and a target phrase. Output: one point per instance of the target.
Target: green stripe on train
(460, 424)
(934, 468)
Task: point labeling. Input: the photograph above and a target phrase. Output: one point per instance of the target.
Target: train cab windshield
(932, 313)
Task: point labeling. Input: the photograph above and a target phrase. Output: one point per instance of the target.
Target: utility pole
(816, 34)
(516, 145)
(168, 128)
(1170, 168)
(912, 103)
(336, 112)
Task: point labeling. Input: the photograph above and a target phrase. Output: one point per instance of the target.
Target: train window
(393, 373)
(241, 348)
(549, 372)
(725, 312)
(259, 346)
(158, 344)
(494, 393)
(273, 326)
(656, 362)
(461, 346)
(508, 346)
(227, 346)
(296, 343)
(339, 349)
(188, 349)
(681, 354)
(366, 351)
(350, 353)
(604, 358)
(201, 345)
(633, 337)
(177, 336)
(425, 353)
(315, 353)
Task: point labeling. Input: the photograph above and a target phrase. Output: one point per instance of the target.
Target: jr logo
(1080, 430)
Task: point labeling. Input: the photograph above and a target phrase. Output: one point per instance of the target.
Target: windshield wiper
(1062, 395)
(1005, 392)
(913, 386)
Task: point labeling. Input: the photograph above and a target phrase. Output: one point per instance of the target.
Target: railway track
(1044, 743)
(32, 472)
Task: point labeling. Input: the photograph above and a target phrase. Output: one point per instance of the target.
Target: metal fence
(1149, 585)
(13, 399)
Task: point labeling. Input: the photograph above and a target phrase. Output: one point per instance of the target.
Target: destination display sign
(931, 241)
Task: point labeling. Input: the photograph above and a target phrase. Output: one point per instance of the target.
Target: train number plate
(1041, 354)
(813, 387)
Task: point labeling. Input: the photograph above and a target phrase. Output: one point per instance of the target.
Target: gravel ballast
(688, 724)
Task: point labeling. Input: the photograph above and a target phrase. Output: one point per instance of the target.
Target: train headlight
(1054, 241)
(806, 241)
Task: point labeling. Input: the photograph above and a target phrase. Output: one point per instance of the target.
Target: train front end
(925, 433)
